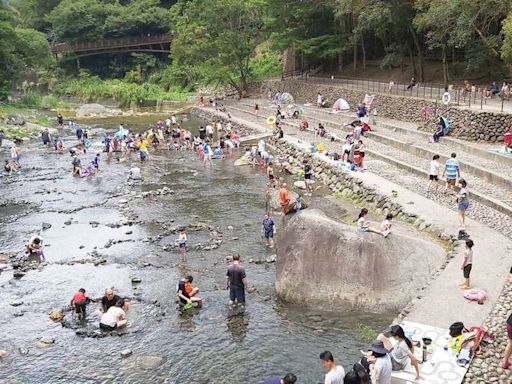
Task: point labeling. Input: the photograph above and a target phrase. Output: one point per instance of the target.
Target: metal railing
(112, 43)
(459, 96)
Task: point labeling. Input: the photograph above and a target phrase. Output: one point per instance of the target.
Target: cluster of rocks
(485, 367)
(341, 182)
(465, 124)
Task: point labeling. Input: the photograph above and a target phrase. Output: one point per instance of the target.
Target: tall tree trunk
(445, 65)
(363, 50)
(419, 54)
(355, 55)
(413, 62)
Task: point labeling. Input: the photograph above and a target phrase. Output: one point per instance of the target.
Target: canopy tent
(341, 105)
(286, 98)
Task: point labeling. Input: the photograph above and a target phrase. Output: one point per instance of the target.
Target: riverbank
(443, 290)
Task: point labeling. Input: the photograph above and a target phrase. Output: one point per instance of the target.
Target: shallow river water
(212, 345)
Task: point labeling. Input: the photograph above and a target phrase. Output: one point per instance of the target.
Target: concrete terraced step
(498, 174)
(479, 189)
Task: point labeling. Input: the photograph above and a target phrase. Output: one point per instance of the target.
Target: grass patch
(12, 131)
(367, 333)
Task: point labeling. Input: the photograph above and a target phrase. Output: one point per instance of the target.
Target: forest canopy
(236, 42)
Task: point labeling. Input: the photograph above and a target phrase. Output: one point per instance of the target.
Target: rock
(126, 352)
(15, 119)
(230, 227)
(81, 247)
(149, 362)
(90, 109)
(67, 222)
(23, 350)
(18, 314)
(347, 266)
(301, 184)
(136, 279)
(128, 232)
(3, 353)
(47, 340)
(271, 259)
(46, 226)
(18, 274)
(56, 315)
(16, 303)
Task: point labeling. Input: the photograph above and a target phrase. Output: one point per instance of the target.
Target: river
(212, 345)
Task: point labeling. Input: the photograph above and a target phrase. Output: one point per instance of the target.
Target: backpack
(476, 294)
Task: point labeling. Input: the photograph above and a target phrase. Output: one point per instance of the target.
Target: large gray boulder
(90, 109)
(324, 261)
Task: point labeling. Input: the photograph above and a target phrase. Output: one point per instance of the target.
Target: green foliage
(33, 48)
(218, 38)
(368, 334)
(90, 88)
(506, 50)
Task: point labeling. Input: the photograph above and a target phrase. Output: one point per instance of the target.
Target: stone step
(390, 155)
(468, 161)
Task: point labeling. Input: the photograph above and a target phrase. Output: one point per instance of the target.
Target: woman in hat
(402, 351)
(380, 363)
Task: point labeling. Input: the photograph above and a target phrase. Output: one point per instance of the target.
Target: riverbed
(105, 232)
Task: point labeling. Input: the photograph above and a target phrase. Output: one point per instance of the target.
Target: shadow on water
(215, 344)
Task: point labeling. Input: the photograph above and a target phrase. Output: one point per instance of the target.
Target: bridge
(155, 43)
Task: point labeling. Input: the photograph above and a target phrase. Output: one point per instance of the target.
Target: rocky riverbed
(102, 231)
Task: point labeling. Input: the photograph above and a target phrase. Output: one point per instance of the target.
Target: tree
(219, 38)
(506, 50)
(9, 65)
(79, 20)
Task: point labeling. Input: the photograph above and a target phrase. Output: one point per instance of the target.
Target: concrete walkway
(441, 303)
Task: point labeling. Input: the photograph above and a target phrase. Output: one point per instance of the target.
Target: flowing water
(211, 345)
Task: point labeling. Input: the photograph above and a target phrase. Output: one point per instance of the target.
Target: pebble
(136, 279)
(46, 226)
(67, 222)
(3, 353)
(126, 352)
(16, 303)
(23, 350)
(47, 340)
(128, 232)
(18, 313)
(230, 227)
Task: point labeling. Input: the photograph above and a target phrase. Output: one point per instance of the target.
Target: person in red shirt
(79, 301)
(284, 197)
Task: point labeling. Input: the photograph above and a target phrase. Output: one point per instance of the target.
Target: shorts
(271, 177)
(107, 328)
(182, 245)
(307, 176)
(284, 207)
(467, 270)
(451, 181)
(463, 205)
(80, 306)
(269, 234)
(395, 365)
(509, 331)
(238, 294)
(433, 177)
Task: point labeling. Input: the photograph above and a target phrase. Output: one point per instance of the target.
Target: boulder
(90, 109)
(323, 261)
(15, 119)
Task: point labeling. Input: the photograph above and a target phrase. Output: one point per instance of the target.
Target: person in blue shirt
(96, 161)
(268, 230)
(452, 172)
(290, 378)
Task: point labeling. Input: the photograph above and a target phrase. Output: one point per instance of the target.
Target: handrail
(112, 43)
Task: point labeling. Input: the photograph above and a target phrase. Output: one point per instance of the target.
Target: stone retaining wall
(469, 125)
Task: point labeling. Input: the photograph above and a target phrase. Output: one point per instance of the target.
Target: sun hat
(378, 347)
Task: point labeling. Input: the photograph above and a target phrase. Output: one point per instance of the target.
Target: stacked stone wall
(466, 124)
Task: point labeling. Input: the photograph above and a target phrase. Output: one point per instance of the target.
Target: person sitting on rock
(78, 302)
(363, 225)
(186, 293)
(385, 226)
(35, 246)
(114, 318)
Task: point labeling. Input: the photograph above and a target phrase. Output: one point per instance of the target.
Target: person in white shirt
(135, 173)
(168, 123)
(433, 173)
(380, 363)
(219, 126)
(114, 318)
(209, 131)
(385, 226)
(335, 373)
(173, 119)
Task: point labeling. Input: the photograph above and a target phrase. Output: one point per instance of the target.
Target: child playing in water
(79, 301)
(35, 246)
(182, 242)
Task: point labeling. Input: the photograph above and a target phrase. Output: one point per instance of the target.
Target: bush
(30, 100)
(51, 102)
